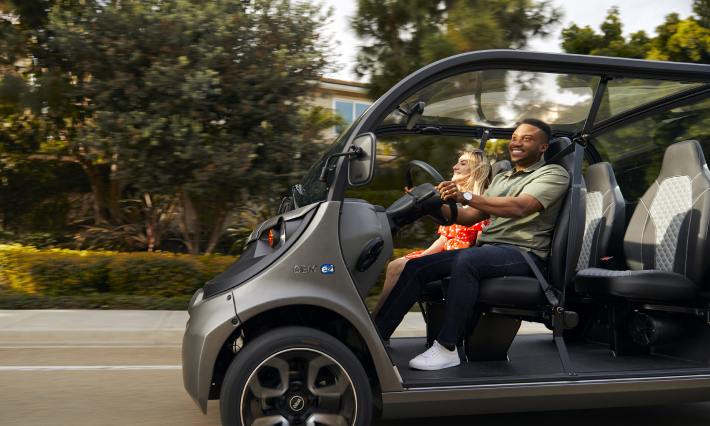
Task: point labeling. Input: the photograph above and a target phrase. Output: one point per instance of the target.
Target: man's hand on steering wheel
(449, 190)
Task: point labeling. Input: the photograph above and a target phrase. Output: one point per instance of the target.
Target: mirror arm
(327, 172)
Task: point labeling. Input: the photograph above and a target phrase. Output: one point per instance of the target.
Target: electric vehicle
(283, 337)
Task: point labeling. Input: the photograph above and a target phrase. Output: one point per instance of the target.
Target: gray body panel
(483, 399)
(360, 223)
(281, 286)
(209, 326)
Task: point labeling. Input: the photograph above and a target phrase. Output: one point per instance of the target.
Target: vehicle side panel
(285, 284)
(359, 224)
(544, 396)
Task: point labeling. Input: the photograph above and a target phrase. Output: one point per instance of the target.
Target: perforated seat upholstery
(666, 241)
(604, 222)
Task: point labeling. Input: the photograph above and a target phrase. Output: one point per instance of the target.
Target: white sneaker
(436, 357)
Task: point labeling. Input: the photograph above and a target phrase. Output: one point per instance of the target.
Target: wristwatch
(467, 196)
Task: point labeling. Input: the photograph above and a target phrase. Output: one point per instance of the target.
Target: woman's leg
(415, 275)
(394, 270)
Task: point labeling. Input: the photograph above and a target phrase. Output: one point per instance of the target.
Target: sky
(635, 15)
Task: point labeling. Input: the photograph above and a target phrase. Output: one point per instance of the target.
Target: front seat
(501, 166)
(666, 243)
(502, 301)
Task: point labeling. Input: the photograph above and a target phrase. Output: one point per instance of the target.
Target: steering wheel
(436, 216)
(424, 200)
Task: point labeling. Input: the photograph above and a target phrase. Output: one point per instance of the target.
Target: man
(523, 206)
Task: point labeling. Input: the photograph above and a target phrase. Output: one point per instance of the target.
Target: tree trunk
(190, 221)
(97, 189)
(219, 221)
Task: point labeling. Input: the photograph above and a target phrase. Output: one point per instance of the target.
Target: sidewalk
(139, 328)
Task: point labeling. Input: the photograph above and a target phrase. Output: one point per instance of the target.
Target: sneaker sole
(433, 368)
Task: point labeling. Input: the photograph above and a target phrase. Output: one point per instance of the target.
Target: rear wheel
(295, 376)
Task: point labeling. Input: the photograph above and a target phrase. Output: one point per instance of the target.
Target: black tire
(296, 347)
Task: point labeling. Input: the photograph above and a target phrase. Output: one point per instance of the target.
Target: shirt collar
(527, 170)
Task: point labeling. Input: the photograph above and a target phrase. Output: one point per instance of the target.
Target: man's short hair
(546, 129)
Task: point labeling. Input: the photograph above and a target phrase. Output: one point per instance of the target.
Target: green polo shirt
(533, 233)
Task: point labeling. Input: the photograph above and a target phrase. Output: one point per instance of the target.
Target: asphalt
(123, 367)
(115, 327)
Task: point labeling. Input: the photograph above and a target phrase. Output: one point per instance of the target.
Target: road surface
(74, 386)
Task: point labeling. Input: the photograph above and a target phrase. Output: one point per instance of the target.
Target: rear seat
(604, 223)
(665, 245)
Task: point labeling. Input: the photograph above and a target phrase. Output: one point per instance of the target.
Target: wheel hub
(297, 404)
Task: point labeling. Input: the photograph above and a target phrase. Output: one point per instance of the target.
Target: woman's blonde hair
(480, 176)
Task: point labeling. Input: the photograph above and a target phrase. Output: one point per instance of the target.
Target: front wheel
(295, 376)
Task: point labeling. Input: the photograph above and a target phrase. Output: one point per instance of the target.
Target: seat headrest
(556, 145)
(683, 159)
(500, 167)
(600, 177)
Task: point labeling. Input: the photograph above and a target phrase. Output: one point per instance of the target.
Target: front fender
(294, 281)
(210, 324)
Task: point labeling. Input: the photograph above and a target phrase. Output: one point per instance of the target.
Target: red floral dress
(457, 237)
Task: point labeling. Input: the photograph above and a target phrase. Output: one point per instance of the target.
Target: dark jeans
(466, 268)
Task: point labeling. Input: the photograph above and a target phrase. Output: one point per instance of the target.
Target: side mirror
(414, 115)
(362, 166)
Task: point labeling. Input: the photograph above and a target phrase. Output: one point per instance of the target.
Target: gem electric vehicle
(283, 337)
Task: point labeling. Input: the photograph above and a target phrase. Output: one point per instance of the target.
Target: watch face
(468, 196)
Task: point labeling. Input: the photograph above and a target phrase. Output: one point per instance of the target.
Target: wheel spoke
(326, 420)
(271, 421)
(337, 389)
(262, 392)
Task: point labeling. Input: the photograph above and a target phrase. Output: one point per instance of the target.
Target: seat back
(669, 227)
(500, 167)
(558, 249)
(604, 222)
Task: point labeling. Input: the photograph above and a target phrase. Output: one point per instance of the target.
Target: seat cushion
(434, 292)
(652, 285)
(517, 291)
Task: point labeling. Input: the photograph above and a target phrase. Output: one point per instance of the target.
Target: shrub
(72, 272)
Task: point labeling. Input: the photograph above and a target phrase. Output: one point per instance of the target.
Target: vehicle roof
(558, 63)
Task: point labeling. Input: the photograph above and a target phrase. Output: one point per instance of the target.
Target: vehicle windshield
(311, 189)
(502, 98)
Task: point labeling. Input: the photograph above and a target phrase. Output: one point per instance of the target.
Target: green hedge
(88, 275)
(73, 273)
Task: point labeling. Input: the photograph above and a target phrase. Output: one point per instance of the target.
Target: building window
(349, 110)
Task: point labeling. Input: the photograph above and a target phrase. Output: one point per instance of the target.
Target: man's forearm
(509, 207)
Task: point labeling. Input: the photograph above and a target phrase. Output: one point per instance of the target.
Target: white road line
(88, 367)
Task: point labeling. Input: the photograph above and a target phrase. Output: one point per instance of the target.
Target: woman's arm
(436, 247)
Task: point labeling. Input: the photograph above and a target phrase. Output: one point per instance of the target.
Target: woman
(472, 174)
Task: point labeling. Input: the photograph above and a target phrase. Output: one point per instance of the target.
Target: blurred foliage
(677, 40)
(140, 224)
(250, 215)
(204, 101)
(70, 272)
(41, 196)
(401, 36)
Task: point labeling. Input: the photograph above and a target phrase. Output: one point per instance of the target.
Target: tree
(401, 36)
(611, 42)
(677, 40)
(202, 100)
